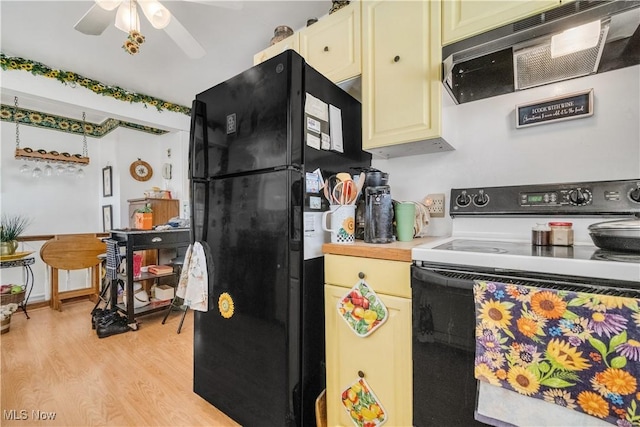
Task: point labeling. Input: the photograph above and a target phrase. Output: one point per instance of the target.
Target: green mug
(405, 215)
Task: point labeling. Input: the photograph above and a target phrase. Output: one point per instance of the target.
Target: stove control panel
(583, 198)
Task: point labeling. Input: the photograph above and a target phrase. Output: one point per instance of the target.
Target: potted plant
(144, 218)
(11, 227)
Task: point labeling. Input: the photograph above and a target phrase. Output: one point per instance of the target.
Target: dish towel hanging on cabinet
(575, 349)
(193, 286)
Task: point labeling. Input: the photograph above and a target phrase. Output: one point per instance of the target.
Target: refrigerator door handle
(198, 142)
(199, 215)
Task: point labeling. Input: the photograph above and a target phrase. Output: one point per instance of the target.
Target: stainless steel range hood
(518, 56)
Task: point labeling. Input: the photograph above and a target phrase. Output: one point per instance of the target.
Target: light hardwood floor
(55, 363)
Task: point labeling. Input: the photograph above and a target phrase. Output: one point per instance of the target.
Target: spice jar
(540, 235)
(561, 233)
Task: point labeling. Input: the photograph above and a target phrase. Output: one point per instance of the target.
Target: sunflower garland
(73, 79)
(69, 125)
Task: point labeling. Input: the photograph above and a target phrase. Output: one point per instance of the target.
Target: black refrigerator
(257, 144)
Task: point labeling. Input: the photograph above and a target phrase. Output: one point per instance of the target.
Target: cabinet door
(384, 357)
(332, 45)
(291, 42)
(465, 18)
(401, 89)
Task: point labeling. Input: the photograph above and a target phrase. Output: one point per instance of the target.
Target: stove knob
(634, 195)
(481, 199)
(579, 197)
(463, 199)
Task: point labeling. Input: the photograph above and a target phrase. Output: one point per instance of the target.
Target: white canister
(561, 233)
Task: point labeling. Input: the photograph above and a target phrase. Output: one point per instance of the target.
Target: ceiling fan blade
(227, 4)
(95, 21)
(184, 39)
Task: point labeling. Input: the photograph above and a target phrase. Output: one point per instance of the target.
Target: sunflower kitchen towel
(578, 350)
(193, 285)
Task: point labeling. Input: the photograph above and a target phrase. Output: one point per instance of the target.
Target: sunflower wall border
(69, 125)
(74, 79)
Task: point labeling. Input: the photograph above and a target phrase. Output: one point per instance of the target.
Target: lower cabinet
(382, 358)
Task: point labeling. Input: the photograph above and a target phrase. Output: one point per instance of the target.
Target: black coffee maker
(374, 211)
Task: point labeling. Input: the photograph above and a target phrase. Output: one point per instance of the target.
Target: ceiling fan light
(108, 4)
(124, 19)
(156, 13)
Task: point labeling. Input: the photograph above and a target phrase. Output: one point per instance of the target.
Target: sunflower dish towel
(578, 350)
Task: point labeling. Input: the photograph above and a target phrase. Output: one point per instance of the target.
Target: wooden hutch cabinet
(163, 209)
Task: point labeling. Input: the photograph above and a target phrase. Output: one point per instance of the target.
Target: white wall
(490, 151)
(127, 147)
(66, 204)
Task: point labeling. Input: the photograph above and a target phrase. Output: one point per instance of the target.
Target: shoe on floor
(112, 325)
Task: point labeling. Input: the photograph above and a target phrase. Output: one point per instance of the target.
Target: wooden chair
(73, 252)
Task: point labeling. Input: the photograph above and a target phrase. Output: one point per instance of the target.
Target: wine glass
(25, 168)
(80, 173)
(36, 173)
(60, 170)
(48, 170)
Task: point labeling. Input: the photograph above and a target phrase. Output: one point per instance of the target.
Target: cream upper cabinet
(332, 45)
(401, 88)
(465, 18)
(383, 358)
(291, 42)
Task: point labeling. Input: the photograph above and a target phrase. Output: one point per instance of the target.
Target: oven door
(445, 391)
(444, 387)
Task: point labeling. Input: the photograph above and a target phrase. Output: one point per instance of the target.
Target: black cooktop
(586, 252)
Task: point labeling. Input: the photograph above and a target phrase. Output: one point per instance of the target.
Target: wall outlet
(435, 203)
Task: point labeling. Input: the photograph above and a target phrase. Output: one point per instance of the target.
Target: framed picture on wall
(107, 221)
(107, 186)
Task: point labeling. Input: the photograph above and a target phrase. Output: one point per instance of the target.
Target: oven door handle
(425, 275)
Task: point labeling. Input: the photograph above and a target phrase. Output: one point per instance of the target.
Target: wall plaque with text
(566, 107)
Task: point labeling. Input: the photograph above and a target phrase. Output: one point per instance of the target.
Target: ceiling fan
(127, 19)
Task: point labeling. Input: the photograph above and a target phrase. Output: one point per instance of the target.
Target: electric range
(492, 229)
(492, 241)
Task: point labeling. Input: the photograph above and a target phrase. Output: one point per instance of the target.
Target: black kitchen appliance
(378, 215)
(518, 56)
(491, 241)
(373, 178)
(256, 141)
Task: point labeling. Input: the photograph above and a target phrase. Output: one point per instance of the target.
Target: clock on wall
(141, 170)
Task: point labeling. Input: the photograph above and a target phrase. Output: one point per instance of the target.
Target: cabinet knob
(396, 58)
(361, 275)
(361, 374)
(326, 49)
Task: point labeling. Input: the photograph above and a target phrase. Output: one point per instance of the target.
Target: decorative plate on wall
(141, 170)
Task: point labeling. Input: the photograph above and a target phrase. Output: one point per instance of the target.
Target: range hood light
(575, 39)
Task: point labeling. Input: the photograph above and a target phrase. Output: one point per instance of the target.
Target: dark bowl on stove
(619, 235)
